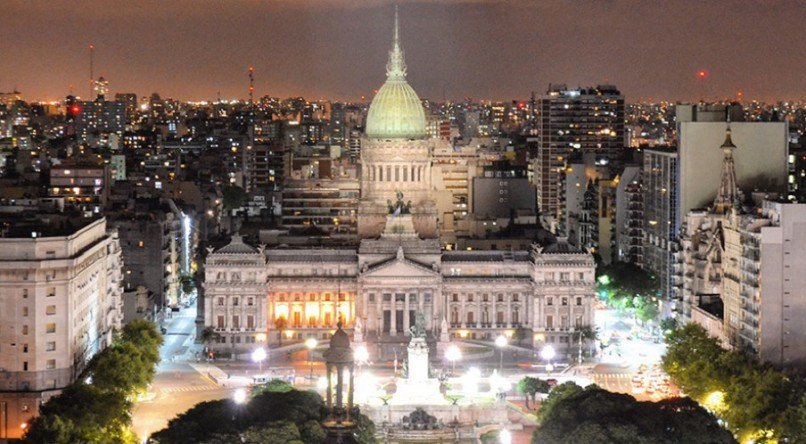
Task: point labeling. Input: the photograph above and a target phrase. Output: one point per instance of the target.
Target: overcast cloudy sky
(192, 49)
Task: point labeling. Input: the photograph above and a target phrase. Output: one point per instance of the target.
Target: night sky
(484, 49)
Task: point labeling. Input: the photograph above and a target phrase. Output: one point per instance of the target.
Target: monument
(418, 387)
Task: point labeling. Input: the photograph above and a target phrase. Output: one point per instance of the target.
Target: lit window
(50, 327)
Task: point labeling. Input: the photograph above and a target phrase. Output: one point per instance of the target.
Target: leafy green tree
(275, 385)
(83, 413)
(647, 311)
(122, 367)
(234, 197)
(692, 361)
(598, 416)
(668, 324)
(280, 324)
(530, 387)
(364, 432)
(208, 335)
(557, 394)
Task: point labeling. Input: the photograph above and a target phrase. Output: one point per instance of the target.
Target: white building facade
(398, 268)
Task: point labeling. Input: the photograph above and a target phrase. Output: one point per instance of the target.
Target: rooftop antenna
(92, 75)
(251, 85)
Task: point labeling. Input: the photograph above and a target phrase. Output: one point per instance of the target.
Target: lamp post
(548, 354)
(361, 355)
(453, 354)
(311, 344)
(501, 342)
(239, 396)
(259, 355)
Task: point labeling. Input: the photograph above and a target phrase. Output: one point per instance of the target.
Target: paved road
(176, 386)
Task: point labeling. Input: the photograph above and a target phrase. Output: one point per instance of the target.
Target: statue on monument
(399, 207)
(418, 329)
(358, 332)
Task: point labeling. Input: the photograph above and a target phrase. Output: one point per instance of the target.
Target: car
(163, 330)
(551, 382)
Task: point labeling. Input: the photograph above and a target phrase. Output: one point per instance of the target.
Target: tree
(234, 197)
(598, 416)
(122, 367)
(530, 387)
(208, 335)
(749, 396)
(280, 324)
(83, 413)
(275, 385)
(647, 310)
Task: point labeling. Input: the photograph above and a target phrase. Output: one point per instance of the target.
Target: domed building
(398, 270)
(395, 154)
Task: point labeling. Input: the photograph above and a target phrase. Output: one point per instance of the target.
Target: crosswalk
(189, 388)
(612, 376)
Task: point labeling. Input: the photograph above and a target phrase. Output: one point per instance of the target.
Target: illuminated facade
(397, 268)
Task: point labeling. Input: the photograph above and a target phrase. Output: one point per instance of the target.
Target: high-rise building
(582, 120)
(629, 226)
(659, 178)
(761, 165)
(62, 301)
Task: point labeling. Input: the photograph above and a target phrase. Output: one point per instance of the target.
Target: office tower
(571, 122)
(61, 297)
(629, 227)
(659, 177)
(85, 187)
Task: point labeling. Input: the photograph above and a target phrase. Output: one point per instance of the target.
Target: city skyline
(455, 49)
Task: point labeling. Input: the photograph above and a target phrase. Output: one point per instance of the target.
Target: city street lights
(453, 354)
(501, 342)
(239, 396)
(548, 354)
(311, 344)
(259, 355)
(361, 355)
(505, 437)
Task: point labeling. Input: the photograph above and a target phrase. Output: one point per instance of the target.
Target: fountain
(418, 411)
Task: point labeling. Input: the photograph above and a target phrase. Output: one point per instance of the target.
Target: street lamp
(548, 354)
(311, 344)
(453, 354)
(505, 437)
(259, 355)
(361, 355)
(239, 396)
(501, 342)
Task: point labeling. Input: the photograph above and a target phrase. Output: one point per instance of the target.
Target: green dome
(396, 112)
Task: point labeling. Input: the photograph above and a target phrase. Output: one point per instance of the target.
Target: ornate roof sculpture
(396, 111)
(727, 196)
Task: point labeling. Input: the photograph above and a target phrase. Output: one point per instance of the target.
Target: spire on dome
(396, 66)
(728, 194)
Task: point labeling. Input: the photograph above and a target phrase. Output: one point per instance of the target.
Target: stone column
(509, 311)
(393, 316)
(406, 320)
(494, 314)
(462, 314)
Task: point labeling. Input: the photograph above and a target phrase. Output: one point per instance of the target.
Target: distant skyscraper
(583, 120)
(659, 178)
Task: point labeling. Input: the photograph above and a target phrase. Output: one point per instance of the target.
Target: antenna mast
(92, 75)
(251, 86)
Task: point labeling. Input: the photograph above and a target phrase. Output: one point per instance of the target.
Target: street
(625, 366)
(177, 386)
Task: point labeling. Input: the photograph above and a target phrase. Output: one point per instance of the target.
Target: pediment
(400, 268)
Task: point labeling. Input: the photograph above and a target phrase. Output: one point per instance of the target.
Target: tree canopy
(594, 415)
(96, 408)
(278, 413)
(754, 399)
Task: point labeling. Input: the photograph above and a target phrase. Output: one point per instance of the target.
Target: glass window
(49, 310)
(50, 346)
(549, 300)
(50, 327)
(51, 364)
(565, 301)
